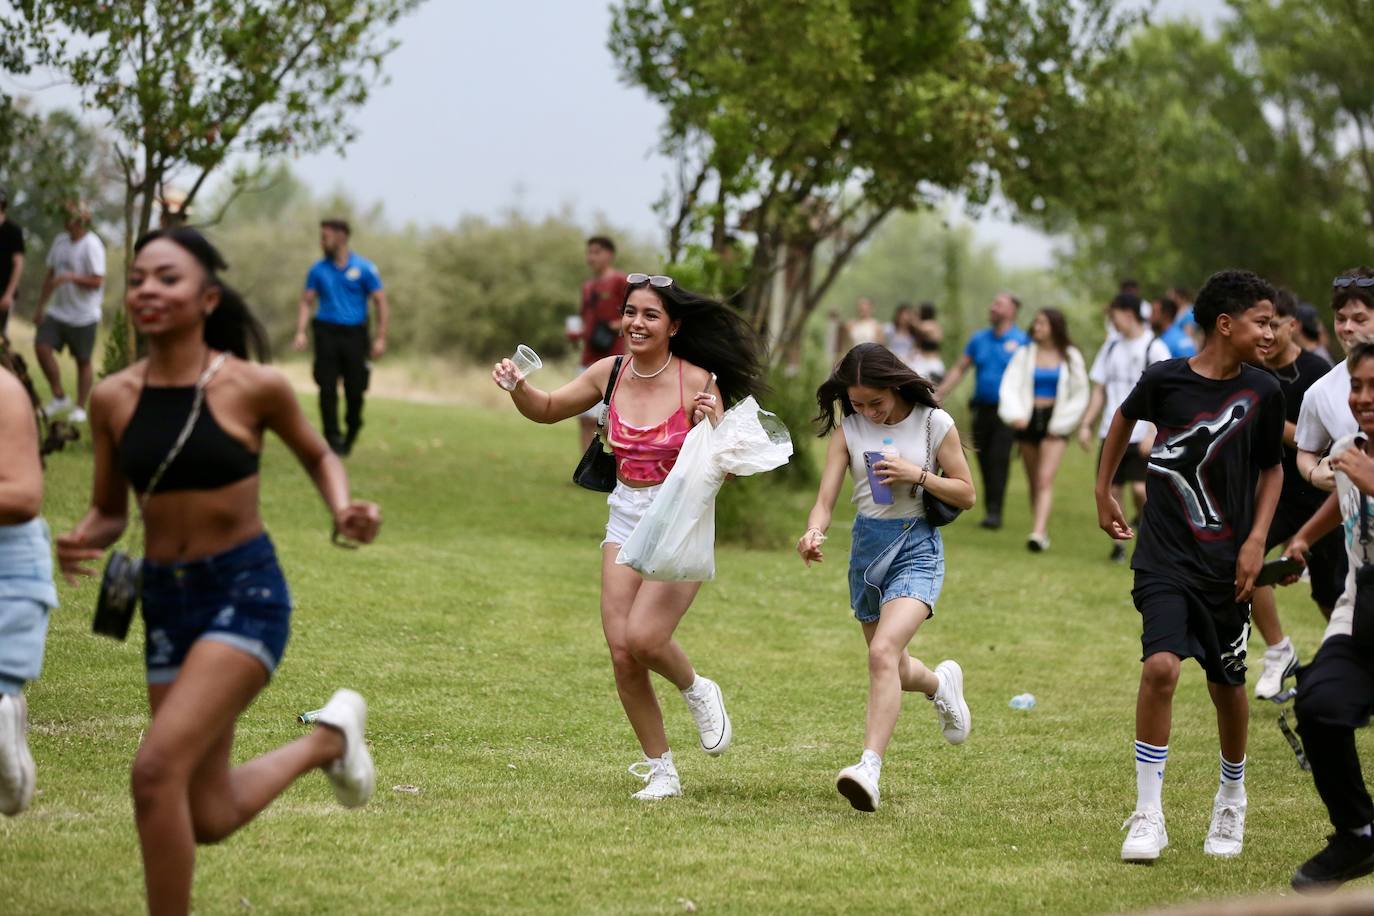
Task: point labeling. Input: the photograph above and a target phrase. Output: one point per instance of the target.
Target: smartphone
(1275, 571)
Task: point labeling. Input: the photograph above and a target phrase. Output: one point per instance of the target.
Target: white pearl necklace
(638, 374)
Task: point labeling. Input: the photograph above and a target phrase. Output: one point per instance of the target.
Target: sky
(494, 105)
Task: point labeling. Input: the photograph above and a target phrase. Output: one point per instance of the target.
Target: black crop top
(210, 459)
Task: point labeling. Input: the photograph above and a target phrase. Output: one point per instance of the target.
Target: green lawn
(472, 628)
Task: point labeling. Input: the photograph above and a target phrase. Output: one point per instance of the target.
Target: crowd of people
(1234, 435)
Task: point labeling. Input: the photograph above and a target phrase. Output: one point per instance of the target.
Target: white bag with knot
(675, 541)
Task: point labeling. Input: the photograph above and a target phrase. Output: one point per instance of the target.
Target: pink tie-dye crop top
(645, 455)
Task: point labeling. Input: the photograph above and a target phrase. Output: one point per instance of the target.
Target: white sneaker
(1038, 543)
(708, 709)
(1279, 665)
(352, 774)
(859, 784)
(660, 778)
(1146, 836)
(16, 763)
(77, 415)
(56, 406)
(1226, 835)
(950, 708)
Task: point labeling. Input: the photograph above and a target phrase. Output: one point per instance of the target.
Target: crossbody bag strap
(185, 433)
(610, 391)
(1364, 527)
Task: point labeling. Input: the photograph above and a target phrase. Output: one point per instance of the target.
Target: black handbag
(602, 337)
(596, 470)
(938, 512)
(122, 582)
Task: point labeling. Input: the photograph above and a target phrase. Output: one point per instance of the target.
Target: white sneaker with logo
(16, 763)
(707, 706)
(859, 784)
(1226, 835)
(352, 774)
(950, 708)
(1279, 664)
(660, 778)
(1145, 836)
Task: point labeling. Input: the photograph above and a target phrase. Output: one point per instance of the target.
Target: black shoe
(1345, 858)
(336, 445)
(991, 523)
(350, 439)
(1118, 553)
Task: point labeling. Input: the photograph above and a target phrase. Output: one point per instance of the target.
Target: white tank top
(909, 438)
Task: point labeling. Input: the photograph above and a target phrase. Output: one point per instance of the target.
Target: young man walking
(1214, 478)
(68, 313)
(343, 283)
(603, 297)
(988, 352)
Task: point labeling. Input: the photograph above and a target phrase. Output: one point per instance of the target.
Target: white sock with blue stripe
(1232, 780)
(1149, 774)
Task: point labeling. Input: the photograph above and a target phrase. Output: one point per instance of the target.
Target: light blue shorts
(894, 558)
(26, 596)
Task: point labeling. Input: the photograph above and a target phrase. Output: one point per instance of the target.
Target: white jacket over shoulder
(1016, 398)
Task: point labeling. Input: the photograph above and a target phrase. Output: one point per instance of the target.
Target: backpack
(53, 435)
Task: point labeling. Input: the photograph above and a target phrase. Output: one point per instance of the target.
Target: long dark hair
(873, 366)
(1059, 330)
(714, 337)
(232, 326)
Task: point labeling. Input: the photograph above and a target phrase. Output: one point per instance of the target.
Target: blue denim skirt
(894, 558)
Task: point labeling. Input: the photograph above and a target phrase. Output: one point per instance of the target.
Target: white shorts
(628, 506)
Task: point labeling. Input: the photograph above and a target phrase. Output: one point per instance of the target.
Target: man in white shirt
(68, 313)
(1326, 415)
(1116, 369)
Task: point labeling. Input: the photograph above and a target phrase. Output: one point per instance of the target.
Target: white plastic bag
(676, 539)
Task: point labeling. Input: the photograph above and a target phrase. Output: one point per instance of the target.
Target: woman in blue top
(896, 563)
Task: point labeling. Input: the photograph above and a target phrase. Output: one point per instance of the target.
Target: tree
(807, 124)
(186, 84)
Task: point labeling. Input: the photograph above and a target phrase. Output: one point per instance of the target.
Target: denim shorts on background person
(27, 595)
(238, 597)
(894, 558)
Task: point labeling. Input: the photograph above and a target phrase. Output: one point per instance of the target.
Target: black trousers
(993, 440)
(341, 352)
(1335, 697)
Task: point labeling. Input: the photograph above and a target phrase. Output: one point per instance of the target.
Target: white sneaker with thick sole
(77, 415)
(56, 406)
(660, 778)
(707, 706)
(1226, 835)
(950, 707)
(352, 773)
(1146, 837)
(859, 784)
(1279, 665)
(16, 763)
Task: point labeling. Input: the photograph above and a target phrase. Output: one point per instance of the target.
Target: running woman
(215, 606)
(1044, 394)
(897, 560)
(1214, 479)
(675, 341)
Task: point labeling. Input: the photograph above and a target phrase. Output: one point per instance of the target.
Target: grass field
(472, 628)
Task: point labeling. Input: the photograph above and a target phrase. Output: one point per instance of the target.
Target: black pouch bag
(596, 470)
(938, 512)
(603, 337)
(1362, 626)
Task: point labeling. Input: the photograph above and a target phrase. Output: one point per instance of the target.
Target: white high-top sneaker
(707, 706)
(660, 778)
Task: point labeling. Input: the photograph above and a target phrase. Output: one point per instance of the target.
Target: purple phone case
(882, 493)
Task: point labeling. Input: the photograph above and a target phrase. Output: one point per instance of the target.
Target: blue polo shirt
(343, 292)
(1177, 336)
(990, 353)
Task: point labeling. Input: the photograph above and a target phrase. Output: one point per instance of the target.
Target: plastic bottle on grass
(1023, 701)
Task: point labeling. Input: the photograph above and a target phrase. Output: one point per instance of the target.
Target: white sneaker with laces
(660, 778)
(950, 708)
(707, 706)
(1280, 662)
(56, 406)
(77, 415)
(352, 774)
(1145, 837)
(859, 784)
(1226, 835)
(16, 763)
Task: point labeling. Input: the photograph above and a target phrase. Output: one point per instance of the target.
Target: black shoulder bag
(122, 581)
(596, 470)
(938, 512)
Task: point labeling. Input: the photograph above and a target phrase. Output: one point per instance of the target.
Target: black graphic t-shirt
(1299, 496)
(1212, 439)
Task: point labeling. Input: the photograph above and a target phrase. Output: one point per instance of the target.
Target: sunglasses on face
(661, 282)
(1361, 282)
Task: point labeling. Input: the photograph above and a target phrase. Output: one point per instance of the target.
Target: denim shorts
(894, 558)
(238, 597)
(628, 505)
(26, 596)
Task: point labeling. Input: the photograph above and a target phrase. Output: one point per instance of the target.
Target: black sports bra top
(210, 459)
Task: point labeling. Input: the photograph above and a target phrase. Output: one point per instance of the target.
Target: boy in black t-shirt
(1214, 480)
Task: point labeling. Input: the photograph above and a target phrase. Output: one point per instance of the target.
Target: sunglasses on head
(658, 282)
(1361, 282)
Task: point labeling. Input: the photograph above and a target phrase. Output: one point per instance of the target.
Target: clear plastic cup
(526, 362)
